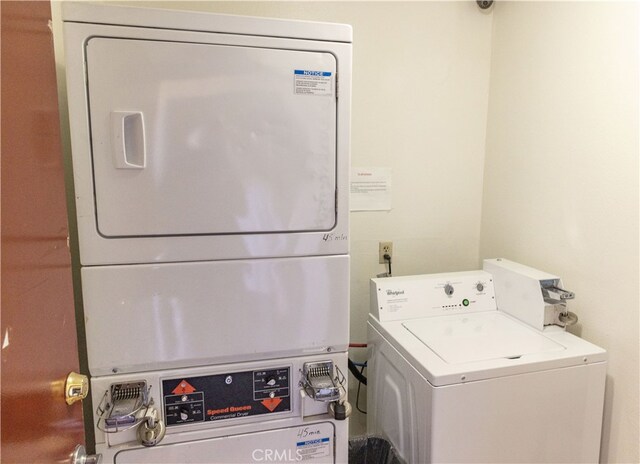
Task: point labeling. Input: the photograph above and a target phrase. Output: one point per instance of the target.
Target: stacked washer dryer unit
(210, 158)
(477, 367)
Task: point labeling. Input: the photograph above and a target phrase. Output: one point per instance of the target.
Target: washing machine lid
(461, 348)
(484, 336)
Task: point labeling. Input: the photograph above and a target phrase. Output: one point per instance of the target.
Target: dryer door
(202, 146)
(194, 138)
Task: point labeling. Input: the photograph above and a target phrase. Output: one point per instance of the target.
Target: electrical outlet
(385, 248)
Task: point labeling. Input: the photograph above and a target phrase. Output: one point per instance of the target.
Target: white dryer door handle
(128, 140)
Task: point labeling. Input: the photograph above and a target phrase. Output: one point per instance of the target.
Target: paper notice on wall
(370, 189)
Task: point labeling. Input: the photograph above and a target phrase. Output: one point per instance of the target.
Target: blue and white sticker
(310, 82)
(312, 449)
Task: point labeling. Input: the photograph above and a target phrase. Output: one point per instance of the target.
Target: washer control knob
(448, 289)
(480, 286)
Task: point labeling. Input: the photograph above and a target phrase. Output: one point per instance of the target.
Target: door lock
(151, 431)
(76, 387)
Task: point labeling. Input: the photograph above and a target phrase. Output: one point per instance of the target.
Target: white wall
(561, 174)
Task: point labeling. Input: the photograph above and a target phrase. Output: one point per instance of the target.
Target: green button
(465, 302)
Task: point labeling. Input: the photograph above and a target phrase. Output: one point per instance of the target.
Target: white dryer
(455, 377)
(211, 167)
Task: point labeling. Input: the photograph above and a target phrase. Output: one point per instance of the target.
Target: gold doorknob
(76, 387)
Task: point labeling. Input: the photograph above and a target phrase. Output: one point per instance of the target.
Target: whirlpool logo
(395, 292)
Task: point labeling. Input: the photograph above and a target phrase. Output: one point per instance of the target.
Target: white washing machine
(456, 377)
(211, 166)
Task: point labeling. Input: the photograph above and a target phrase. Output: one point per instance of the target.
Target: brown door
(38, 332)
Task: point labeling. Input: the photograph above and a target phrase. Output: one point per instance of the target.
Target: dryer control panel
(408, 297)
(226, 396)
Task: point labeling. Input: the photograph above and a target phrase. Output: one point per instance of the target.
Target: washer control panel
(226, 396)
(407, 297)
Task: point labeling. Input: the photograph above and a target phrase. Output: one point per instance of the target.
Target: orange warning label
(271, 403)
(183, 388)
